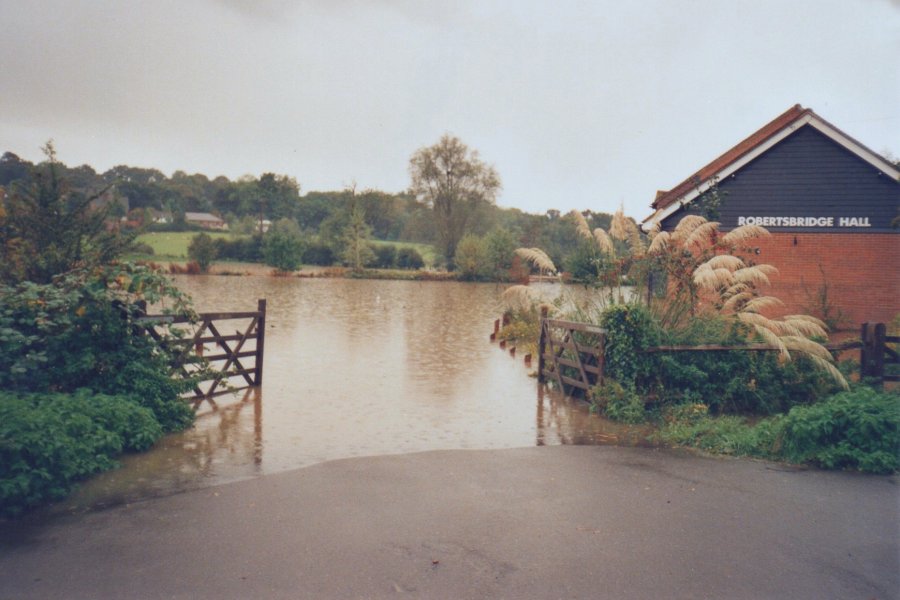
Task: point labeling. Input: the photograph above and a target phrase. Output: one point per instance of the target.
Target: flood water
(356, 368)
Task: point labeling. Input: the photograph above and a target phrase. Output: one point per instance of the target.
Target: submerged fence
(228, 354)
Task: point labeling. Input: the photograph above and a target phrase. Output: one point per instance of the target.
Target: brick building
(830, 203)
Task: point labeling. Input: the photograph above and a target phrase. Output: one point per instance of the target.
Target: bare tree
(453, 180)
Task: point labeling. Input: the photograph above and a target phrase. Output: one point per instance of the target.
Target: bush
(385, 256)
(79, 332)
(723, 435)
(630, 329)
(618, 402)
(49, 441)
(202, 250)
(409, 258)
(244, 249)
(318, 253)
(283, 246)
(859, 429)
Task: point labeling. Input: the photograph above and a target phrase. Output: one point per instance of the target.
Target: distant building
(205, 220)
(830, 203)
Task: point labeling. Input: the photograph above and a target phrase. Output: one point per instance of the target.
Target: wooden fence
(226, 353)
(876, 355)
(572, 353)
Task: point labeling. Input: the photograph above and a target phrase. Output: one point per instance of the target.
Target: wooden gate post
(260, 341)
(542, 344)
(864, 352)
(877, 359)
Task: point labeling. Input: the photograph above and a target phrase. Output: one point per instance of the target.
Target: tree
(202, 250)
(49, 229)
(471, 258)
(283, 246)
(357, 252)
(454, 181)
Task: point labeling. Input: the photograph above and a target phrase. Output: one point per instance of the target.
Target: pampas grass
(538, 258)
(581, 225)
(604, 242)
(737, 284)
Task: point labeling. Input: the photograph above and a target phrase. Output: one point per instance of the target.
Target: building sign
(804, 221)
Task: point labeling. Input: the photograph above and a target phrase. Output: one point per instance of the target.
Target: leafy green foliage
(80, 332)
(202, 250)
(724, 435)
(409, 258)
(283, 246)
(858, 429)
(630, 329)
(49, 441)
(470, 258)
(618, 402)
(385, 256)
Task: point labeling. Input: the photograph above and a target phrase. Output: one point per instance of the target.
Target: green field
(174, 245)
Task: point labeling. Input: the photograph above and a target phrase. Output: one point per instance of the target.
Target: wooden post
(260, 340)
(601, 359)
(864, 354)
(542, 343)
(878, 342)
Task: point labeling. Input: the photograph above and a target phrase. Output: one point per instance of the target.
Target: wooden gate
(572, 354)
(226, 353)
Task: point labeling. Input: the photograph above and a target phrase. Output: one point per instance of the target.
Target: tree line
(450, 204)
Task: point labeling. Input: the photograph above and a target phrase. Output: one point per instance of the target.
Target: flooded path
(356, 368)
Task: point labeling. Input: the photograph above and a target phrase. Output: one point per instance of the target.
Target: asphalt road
(546, 522)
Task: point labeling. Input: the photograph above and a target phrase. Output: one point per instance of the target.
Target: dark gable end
(809, 183)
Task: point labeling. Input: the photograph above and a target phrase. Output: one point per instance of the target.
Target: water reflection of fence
(227, 352)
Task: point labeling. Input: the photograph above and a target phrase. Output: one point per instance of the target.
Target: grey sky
(577, 104)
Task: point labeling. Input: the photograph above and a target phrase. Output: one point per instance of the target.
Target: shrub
(858, 429)
(49, 441)
(283, 246)
(409, 258)
(202, 250)
(318, 253)
(688, 426)
(245, 249)
(630, 329)
(79, 332)
(385, 256)
(618, 402)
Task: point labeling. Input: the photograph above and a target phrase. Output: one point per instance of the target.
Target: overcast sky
(577, 104)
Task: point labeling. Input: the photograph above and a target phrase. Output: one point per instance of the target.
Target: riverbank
(565, 521)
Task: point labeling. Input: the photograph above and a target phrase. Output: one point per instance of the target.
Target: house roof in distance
(782, 126)
(201, 217)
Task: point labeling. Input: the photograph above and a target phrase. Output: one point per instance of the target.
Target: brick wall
(862, 271)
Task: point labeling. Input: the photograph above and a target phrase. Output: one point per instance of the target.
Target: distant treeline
(146, 197)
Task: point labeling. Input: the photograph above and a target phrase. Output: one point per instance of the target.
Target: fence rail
(573, 353)
(208, 338)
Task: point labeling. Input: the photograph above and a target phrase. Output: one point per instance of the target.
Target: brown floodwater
(356, 368)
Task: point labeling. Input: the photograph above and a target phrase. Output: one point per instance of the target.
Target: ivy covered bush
(81, 380)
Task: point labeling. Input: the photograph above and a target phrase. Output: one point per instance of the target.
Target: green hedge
(50, 441)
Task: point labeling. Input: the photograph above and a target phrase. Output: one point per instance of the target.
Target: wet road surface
(542, 522)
